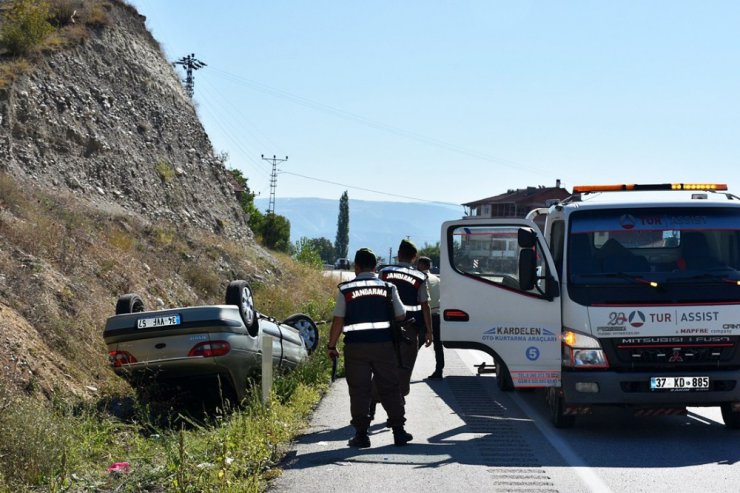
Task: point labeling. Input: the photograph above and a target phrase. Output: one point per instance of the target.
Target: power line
(369, 189)
(264, 88)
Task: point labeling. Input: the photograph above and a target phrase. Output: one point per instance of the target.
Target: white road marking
(589, 478)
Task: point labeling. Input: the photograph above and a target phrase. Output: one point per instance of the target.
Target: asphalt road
(470, 436)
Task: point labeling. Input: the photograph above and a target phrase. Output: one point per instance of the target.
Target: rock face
(109, 121)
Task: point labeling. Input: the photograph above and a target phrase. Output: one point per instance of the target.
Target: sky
(438, 101)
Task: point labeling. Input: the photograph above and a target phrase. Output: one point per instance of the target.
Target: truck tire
(730, 417)
(129, 303)
(307, 328)
(240, 294)
(503, 377)
(556, 408)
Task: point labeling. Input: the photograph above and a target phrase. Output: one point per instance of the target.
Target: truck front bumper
(633, 389)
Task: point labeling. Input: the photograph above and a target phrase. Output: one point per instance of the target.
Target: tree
(307, 253)
(341, 244)
(431, 251)
(276, 233)
(324, 248)
(246, 199)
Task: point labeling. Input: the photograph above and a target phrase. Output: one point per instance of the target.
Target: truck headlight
(582, 351)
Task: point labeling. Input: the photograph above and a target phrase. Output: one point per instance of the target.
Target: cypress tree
(341, 244)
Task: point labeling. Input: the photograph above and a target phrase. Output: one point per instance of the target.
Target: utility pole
(273, 180)
(190, 63)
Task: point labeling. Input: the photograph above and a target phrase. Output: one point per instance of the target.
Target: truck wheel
(129, 303)
(307, 328)
(730, 417)
(556, 407)
(503, 377)
(240, 294)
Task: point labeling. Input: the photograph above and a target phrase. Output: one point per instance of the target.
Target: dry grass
(62, 266)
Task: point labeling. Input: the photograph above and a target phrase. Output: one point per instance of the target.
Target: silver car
(197, 346)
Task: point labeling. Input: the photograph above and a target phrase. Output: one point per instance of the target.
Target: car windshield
(664, 248)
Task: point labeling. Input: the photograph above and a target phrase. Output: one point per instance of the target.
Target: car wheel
(240, 294)
(307, 328)
(129, 303)
(503, 377)
(730, 417)
(556, 407)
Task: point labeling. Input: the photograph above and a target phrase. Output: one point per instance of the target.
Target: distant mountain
(378, 225)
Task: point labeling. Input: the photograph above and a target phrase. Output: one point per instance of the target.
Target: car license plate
(679, 383)
(152, 322)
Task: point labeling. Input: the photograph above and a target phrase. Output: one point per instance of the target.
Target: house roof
(529, 195)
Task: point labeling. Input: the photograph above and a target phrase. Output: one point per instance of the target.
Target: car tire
(503, 377)
(556, 408)
(129, 303)
(240, 294)
(730, 417)
(307, 328)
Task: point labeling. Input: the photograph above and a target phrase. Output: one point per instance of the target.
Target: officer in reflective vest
(362, 313)
(414, 293)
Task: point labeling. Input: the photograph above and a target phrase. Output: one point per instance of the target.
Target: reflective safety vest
(367, 317)
(408, 281)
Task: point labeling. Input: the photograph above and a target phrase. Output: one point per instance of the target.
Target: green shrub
(165, 170)
(25, 26)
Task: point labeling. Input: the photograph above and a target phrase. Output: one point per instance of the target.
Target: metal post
(266, 368)
(273, 180)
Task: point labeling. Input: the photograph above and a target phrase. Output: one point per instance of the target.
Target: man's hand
(332, 352)
(429, 339)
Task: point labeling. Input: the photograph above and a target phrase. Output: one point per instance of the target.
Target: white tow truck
(625, 295)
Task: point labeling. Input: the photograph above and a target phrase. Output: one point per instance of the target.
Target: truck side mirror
(527, 268)
(526, 237)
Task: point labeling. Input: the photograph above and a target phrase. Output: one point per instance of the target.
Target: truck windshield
(654, 255)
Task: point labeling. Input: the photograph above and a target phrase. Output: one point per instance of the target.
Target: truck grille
(694, 352)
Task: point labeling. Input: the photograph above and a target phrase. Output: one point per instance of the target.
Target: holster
(398, 331)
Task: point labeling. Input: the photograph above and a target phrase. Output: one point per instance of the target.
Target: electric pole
(190, 63)
(273, 180)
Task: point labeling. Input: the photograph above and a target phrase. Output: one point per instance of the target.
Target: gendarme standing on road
(364, 311)
(414, 293)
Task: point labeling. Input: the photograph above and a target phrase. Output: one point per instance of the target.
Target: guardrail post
(266, 368)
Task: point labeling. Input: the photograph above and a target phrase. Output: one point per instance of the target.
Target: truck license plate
(152, 322)
(679, 383)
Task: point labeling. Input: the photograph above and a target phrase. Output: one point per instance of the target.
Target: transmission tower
(190, 63)
(273, 180)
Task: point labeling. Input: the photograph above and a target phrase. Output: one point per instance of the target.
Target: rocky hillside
(109, 185)
(109, 121)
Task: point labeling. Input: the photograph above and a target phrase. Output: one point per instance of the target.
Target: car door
(484, 305)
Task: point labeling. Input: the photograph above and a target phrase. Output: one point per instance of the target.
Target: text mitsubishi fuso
(625, 295)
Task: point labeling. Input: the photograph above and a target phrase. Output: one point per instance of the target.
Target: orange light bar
(653, 187)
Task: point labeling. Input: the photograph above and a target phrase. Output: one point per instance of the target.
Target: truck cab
(624, 295)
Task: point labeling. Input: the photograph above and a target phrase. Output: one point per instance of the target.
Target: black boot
(360, 440)
(400, 436)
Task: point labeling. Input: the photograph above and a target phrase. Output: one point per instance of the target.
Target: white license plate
(685, 383)
(152, 322)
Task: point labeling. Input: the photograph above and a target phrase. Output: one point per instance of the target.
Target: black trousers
(439, 354)
(369, 368)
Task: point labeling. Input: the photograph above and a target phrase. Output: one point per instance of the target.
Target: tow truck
(619, 295)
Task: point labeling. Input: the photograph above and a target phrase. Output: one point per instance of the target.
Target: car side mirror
(527, 269)
(526, 238)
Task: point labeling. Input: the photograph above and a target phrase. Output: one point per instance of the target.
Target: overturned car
(203, 347)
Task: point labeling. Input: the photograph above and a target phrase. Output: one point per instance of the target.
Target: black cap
(365, 258)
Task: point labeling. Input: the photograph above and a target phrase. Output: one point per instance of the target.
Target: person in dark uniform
(424, 264)
(363, 313)
(414, 293)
